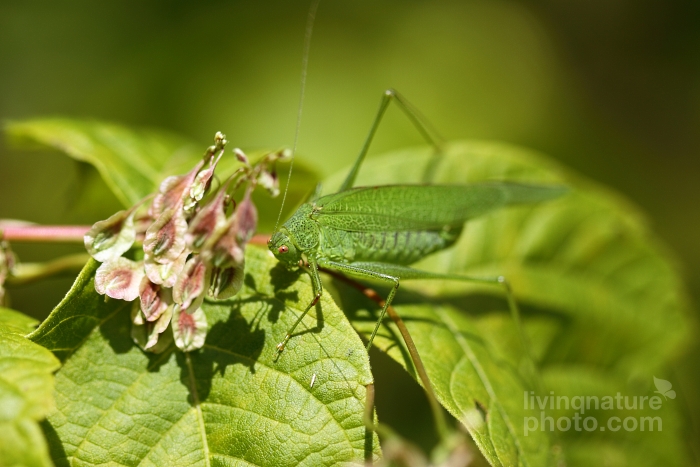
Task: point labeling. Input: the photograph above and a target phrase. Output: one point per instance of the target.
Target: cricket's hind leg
(374, 271)
(399, 272)
(358, 270)
(421, 124)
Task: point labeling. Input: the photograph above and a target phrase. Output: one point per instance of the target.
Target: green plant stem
(44, 233)
(25, 273)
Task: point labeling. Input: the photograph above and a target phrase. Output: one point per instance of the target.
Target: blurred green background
(610, 88)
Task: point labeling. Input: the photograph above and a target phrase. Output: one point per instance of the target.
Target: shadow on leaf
(229, 342)
(282, 277)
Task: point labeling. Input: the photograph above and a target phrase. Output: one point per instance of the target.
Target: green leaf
(112, 237)
(228, 403)
(470, 364)
(16, 322)
(26, 371)
(659, 443)
(26, 386)
(132, 163)
(596, 286)
(65, 329)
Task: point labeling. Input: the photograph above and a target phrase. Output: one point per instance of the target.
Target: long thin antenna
(304, 68)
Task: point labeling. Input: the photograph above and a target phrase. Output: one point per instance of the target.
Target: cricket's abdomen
(397, 247)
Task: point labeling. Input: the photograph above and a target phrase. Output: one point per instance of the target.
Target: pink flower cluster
(193, 239)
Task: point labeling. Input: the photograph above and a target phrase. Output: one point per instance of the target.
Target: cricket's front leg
(318, 291)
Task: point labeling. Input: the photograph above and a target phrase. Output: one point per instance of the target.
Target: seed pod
(189, 328)
(173, 192)
(269, 181)
(165, 274)
(111, 238)
(222, 249)
(191, 283)
(152, 336)
(119, 278)
(201, 183)
(240, 155)
(165, 238)
(246, 219)
(154, 299)
(207, 221)
(225, 283)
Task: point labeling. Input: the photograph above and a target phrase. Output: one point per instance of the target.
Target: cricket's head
(283, 248)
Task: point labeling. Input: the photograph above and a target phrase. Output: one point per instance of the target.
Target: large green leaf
(472, 362)
(597, 287)
(26, 386)
(230, 403)
(659, 442)
(134, 162)
(16, 322)
(81, 310)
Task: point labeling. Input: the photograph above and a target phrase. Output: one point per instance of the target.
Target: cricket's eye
(283, 249)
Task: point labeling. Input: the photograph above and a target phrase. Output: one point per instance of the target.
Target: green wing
(422, 207)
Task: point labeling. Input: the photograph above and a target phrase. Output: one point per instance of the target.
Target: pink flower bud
(201, 183)
(225, 283)
(154, 299)
(119, 278)
(173, 192)
(189, 328)
(111, 238)
(270, 182)
(240, 155)
(191, 283)
(207, 221)
(165, 274)
(222, 249)
(246, 219)
(152, 336)
(165, 238)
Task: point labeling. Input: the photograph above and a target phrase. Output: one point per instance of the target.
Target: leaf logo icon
(664, 388)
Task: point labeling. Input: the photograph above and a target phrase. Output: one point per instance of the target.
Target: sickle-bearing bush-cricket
(377, 232)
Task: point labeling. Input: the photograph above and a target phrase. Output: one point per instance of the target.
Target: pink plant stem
(44, 233)
(259, 239)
